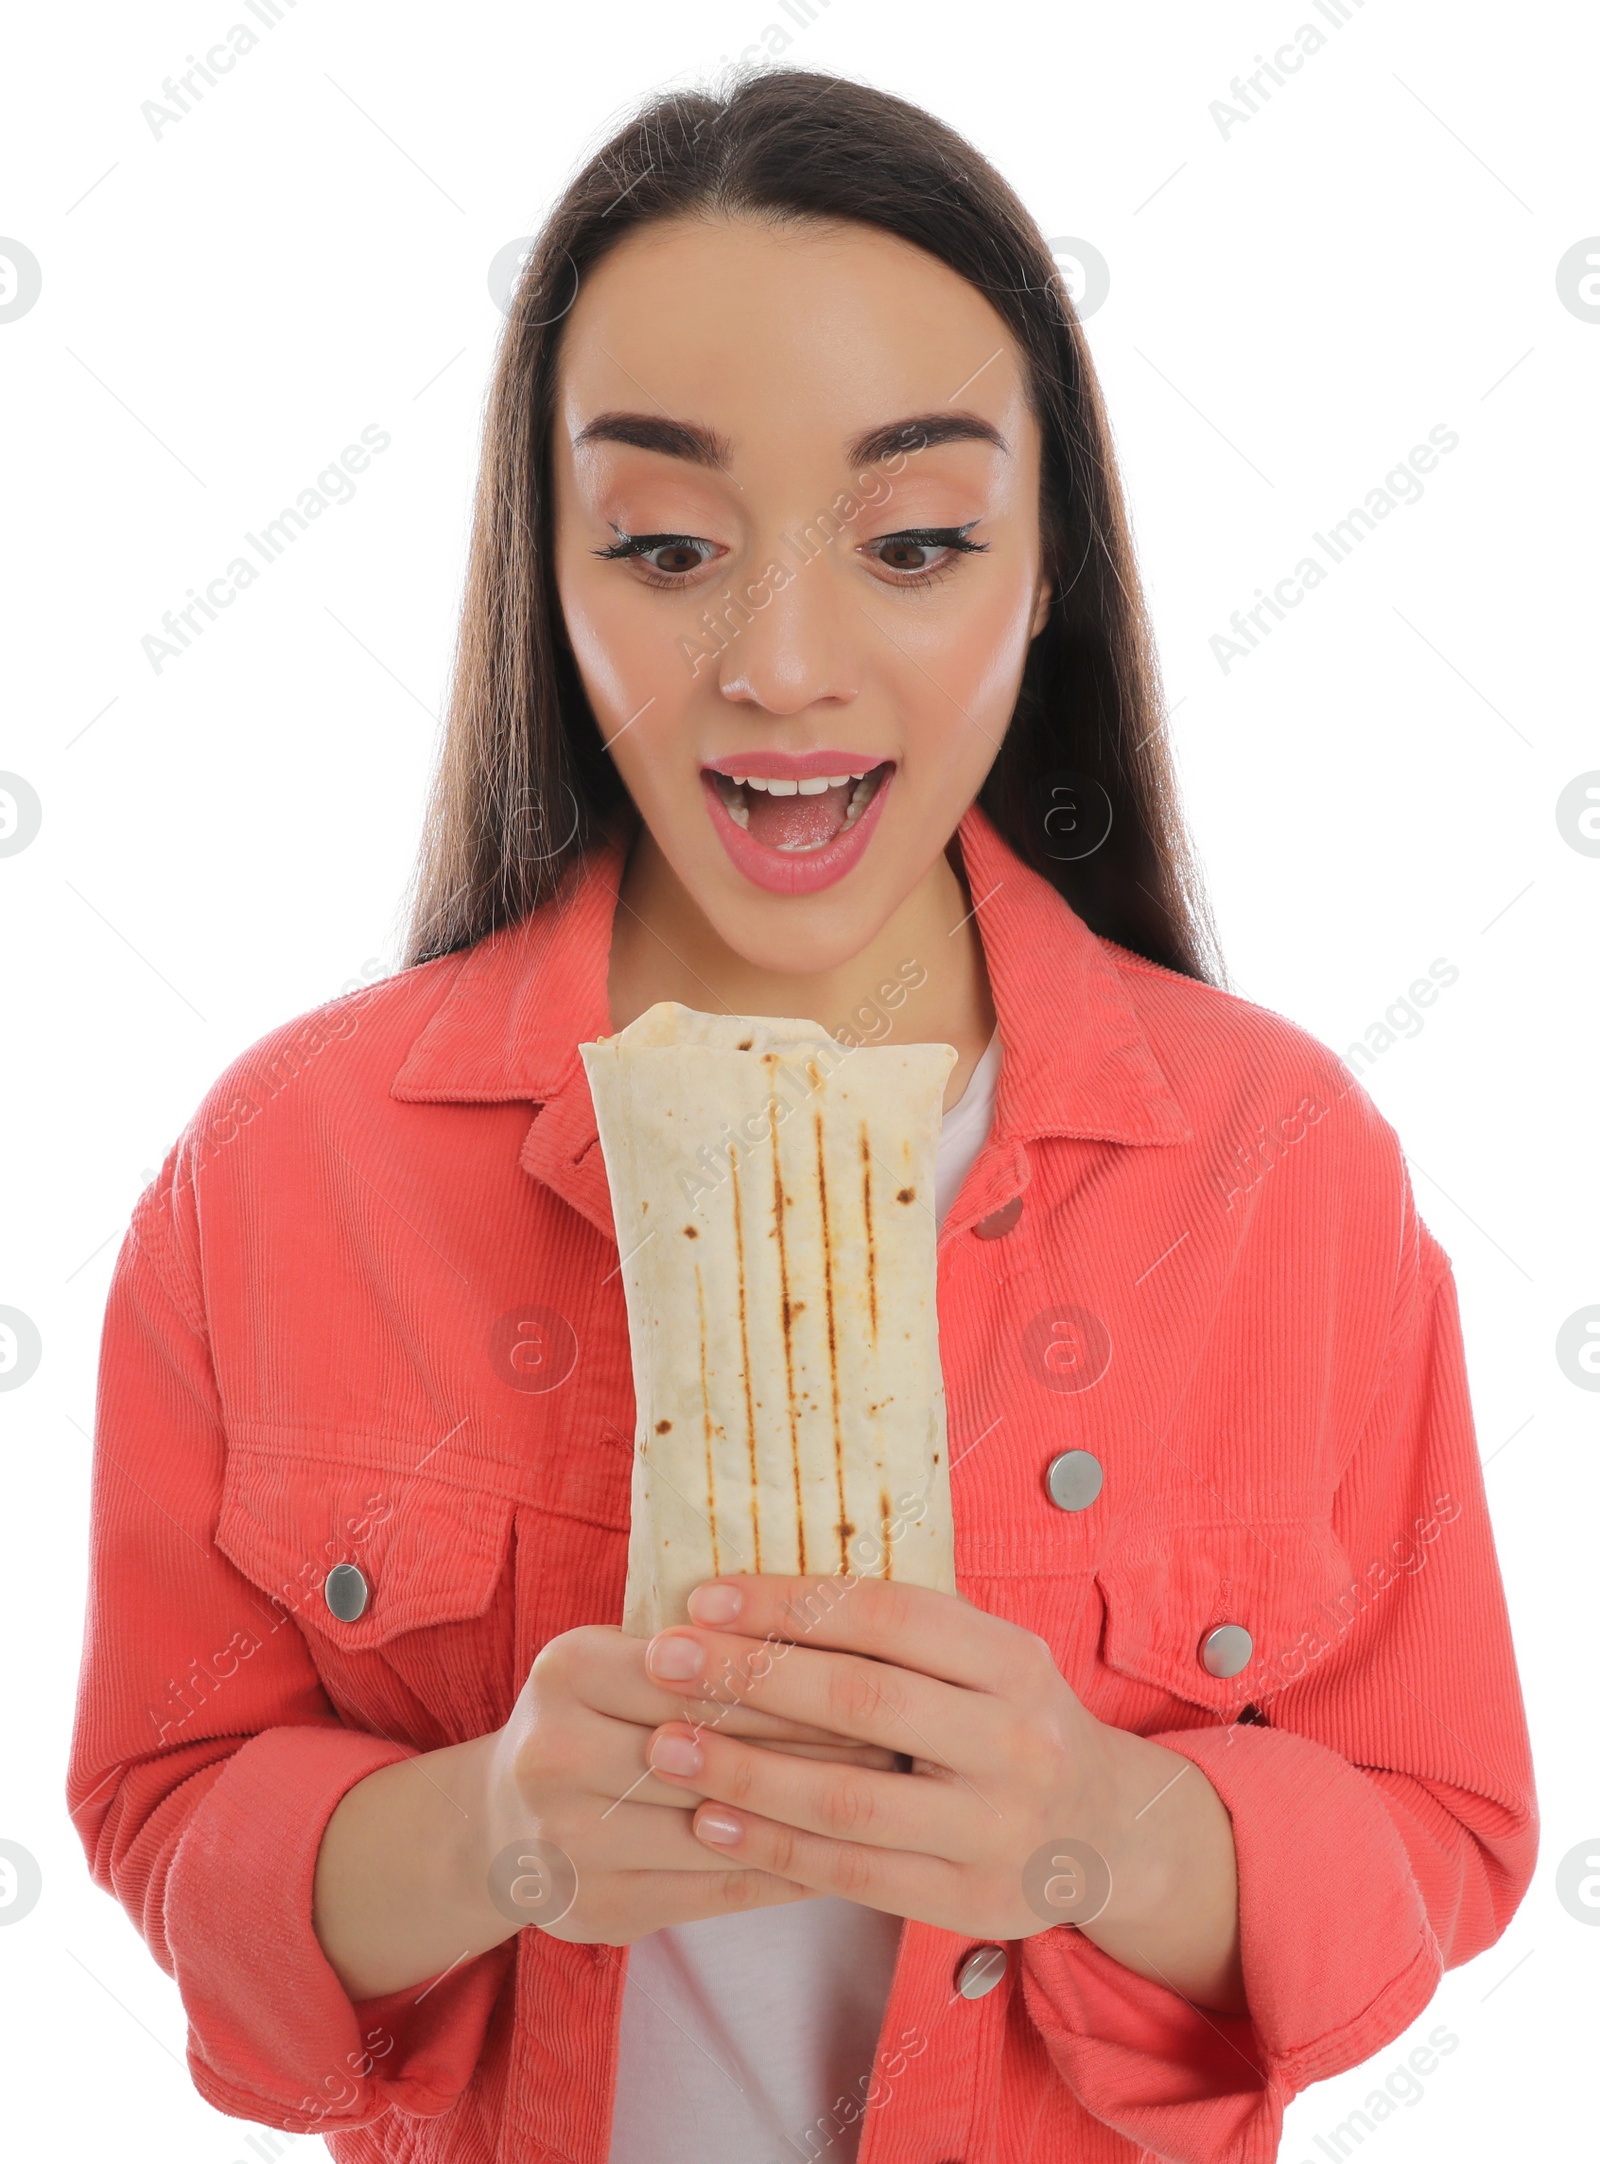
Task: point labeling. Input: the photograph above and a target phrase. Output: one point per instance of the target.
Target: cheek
(627, 652)
(649, 759)
(639, 686)
(959, 679)
(999, 650)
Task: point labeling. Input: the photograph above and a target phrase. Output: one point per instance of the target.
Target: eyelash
(952, 538)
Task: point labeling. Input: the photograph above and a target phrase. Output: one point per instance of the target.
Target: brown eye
(668, 558)
(904, 555)
(675, 558)
(920, 554)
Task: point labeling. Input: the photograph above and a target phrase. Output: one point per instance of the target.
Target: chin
(794, 936)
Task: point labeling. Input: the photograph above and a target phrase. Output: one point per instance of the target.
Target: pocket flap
(428, 1551)
(1165, 1596)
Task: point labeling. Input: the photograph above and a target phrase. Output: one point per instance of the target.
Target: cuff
(273, 2036)
(1337, 1952)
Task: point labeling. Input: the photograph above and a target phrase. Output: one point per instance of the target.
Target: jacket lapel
(1075, 1059)
(523, 1001)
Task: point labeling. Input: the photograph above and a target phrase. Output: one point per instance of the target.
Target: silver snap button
(1226, 1650)
(1074, 1479)
(999, 1222)
(346, 1592)
(982, 1969)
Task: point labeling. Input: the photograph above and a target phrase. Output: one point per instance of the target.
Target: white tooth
(739, 814)
(814, 785)
(857, 777)
(738, 780)
(782, 788)
(754, 781)
(837, 781)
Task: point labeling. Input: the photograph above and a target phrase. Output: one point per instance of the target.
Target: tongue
(804, 821)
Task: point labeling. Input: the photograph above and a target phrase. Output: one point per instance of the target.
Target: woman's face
(797, 544)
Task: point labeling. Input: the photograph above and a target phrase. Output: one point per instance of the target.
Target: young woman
(802, 667)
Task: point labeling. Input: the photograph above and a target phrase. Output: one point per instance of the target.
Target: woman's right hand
(569, 1770)
(432, 1860)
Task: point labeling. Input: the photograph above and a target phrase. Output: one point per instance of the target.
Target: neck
(919, 980)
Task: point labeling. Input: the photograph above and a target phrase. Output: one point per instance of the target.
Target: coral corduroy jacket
(369, 1312)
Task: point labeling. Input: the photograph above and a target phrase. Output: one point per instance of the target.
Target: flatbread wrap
(773, 1196)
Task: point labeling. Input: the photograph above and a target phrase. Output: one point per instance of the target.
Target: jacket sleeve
(201, 1807)
(1384, 1817)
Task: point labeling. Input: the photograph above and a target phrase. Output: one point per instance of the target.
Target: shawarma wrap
(773, 1195)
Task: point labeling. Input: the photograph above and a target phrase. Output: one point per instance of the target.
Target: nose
(794, 637)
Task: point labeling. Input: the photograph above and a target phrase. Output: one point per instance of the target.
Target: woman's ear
(1041, 611)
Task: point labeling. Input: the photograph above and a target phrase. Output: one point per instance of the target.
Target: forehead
(761, 329)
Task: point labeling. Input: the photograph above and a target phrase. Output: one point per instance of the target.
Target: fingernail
(676, 1754)
(718, 1827)
(674, 1659)
(715, 1603)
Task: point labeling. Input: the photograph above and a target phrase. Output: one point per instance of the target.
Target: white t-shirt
(740, 2034)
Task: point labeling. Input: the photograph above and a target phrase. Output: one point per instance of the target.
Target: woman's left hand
(1021, 1809)
(1005, 1756)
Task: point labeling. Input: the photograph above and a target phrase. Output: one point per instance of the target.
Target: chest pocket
(1225, 1616)
(399, 1584)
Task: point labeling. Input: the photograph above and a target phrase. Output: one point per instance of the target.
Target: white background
(224, 844)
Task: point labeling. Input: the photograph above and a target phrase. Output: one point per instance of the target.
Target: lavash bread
(773, 1198)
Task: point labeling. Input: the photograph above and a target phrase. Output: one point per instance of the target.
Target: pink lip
(777, 870)
(795, 765)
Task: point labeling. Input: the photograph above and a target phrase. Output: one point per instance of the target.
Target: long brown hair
(524, 779)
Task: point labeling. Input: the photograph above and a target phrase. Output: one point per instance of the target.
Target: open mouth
(798, 817)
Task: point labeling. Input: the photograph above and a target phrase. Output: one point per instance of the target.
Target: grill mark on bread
(872, 1244)
(744, 1349)
(705, 1401)
(833, 1341)
(884, 1536)
(775, 1118)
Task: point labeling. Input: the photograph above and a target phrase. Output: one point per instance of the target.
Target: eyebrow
(654, 432)
(704, 447)
(924, 432)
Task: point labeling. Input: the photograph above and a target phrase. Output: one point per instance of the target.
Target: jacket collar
(1076, 1061)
